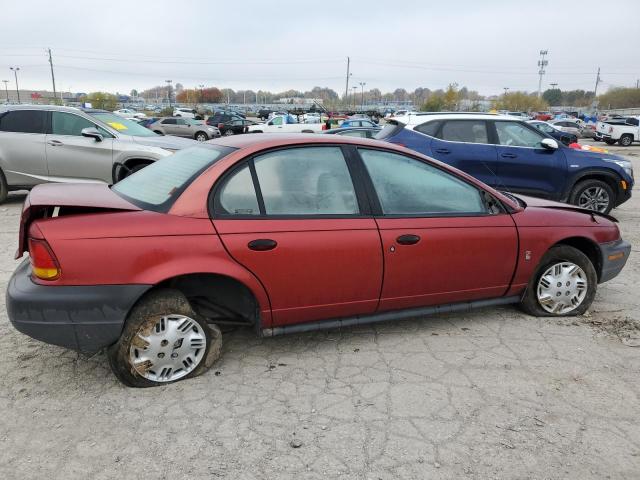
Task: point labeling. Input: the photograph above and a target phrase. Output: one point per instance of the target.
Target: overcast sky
(276, 45)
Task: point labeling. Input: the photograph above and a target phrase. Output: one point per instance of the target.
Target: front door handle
(408, 239)
(55, 143)
(262, 244)
(509, 155)
(443, 150)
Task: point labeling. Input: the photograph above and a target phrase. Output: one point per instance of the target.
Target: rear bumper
(614, 257)
(83, 318)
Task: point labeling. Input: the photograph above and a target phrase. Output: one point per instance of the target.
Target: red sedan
(288, 234)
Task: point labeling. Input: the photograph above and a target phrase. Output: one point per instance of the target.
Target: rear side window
(468, 131)
(169, 121)
(23, 121)
(157, 186)
(238, 195)
(428, 128)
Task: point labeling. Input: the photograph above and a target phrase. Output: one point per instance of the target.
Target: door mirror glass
(549, 144)
(92, 132)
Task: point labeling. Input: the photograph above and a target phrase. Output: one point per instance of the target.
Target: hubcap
(169, 350)
(201, 138)
(594, 198)
(562, 288)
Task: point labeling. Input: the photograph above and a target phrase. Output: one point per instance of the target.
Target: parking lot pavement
(490, 394)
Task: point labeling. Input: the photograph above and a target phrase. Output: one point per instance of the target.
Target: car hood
(542, 203)
(166, 141)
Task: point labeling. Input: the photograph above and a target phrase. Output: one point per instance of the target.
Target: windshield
(159, 185)
(123, 125)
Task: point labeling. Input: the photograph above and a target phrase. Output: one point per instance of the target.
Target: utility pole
(201, 86)
(354, 96)
(362, 84)
(6, 90)
(595, 89)
(169, 91)
(506, 89)
(542, 63)
(15, 73)
(53, 78)
(346, 88)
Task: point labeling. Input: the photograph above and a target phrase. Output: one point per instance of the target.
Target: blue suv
(514, 156)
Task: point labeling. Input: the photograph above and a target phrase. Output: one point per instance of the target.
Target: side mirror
(92, 132)
(549, 144)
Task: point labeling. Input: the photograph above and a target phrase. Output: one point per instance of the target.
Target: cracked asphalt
(490, 394)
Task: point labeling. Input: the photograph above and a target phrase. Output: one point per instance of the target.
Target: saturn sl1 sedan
(288, 233)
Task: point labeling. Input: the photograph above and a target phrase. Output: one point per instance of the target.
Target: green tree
(620, 98)
(520, 102)
(451, 97)
(553, 96)
(101, 100)
(435, 103)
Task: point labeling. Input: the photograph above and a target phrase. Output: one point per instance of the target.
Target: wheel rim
(172, 348)
(626, 141)
(228, 133)
(201, 138)
(562, 288)
(594, 198)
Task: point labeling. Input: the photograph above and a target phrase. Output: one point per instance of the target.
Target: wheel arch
(611, 178)
(586, 246)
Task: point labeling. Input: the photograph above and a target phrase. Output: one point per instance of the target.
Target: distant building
(299, 101)
(37, 97)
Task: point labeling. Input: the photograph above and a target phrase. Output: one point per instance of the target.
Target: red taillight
(221, 125)
(43, 262)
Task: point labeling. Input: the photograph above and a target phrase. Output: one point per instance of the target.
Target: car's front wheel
(593, 195)
(164, 341)
(626, 140)
(201, 137)
(564, 284)
(4, 188)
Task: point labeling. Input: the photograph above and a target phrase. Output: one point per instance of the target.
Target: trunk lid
(55, 199)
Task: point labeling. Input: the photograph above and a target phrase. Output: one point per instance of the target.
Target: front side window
(181, 121)
(468, 131)
(306, 181)
(68, 124)
(406, 186)
(157, 186)
(23, 121)
(514, 134)
(276, 121)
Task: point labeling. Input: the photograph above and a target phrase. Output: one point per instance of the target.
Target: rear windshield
(159, 185)
(389, 130)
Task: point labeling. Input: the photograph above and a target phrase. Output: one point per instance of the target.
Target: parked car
(263, 113)
(185, 127)
(543, 116)
(566, 138)
(285, 124)
(236, 126)
(128, 113)
(184, 112)
(567, 126)
(288, 233)
(361, 132)
(515, 156)
(40, 144)
(221, 117)
(358, 122)
(624, 133)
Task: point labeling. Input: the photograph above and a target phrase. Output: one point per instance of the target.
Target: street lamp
(506, 89)
(362, 84)
(15, 73)
(355, 87)
(200, 87)
(6, 90)
(169, 91)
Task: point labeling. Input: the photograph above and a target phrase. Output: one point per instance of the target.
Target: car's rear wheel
(4, 188)
(229, 132)
(593, 195)
(564, 284)
(626, 140)
(201, 137)
(164, 341)
(609, 141)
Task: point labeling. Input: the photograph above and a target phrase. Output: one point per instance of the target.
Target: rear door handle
(262, 244)
(509, 155)
(443, 150)
(408, 239)
(55, 143)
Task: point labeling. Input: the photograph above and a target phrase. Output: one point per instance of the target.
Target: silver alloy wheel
(201, 137)
(594, 198)
(562, 288)
(169, 350)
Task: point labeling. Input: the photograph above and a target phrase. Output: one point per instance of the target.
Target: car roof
(26, 106)
(420, 118)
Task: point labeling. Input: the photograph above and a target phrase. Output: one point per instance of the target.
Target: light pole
(6, 90)
(15, 73)
(506, 89)
(200, 87)
(169, 91)
(355, 87)
(362, 84)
